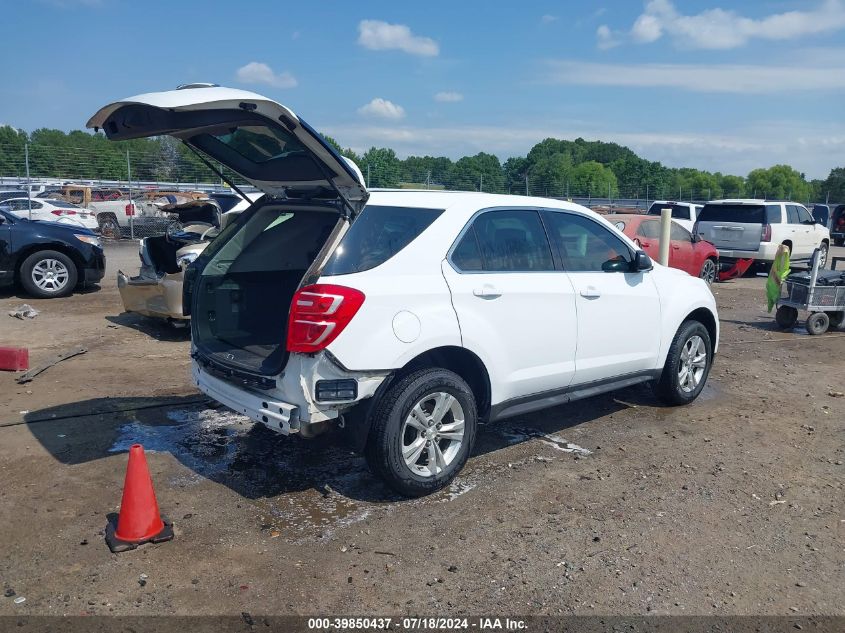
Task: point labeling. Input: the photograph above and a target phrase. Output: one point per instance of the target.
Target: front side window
(506, 241)
(679, 233)
(587, 246)
(376, 236)
(804, 216)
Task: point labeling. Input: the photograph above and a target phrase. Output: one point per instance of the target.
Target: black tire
(48, 274)
(668, 387)
(823, 253)
(388, 431)
(709, 271)
(109, 226)
(817, 323)
(786, 317)
(836, 318)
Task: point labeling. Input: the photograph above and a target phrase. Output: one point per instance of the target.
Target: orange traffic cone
(139, 521)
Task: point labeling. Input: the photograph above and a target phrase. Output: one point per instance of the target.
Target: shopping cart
(824, 301)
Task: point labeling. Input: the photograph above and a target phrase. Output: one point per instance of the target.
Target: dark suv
(48, 259)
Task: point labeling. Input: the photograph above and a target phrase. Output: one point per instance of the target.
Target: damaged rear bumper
(158, 297)
(291, 405)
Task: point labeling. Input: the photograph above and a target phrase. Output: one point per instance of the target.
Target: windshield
(62, 204)
(679, 211)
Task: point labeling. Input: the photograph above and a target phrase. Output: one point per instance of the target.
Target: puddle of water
(517, 435)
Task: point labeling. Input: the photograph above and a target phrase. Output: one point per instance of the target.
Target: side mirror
(2, 219)
(642, 262)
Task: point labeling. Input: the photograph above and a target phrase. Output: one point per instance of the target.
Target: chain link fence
(128, 185)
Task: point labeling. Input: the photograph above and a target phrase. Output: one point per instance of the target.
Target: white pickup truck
(118, 215)
(684, 213)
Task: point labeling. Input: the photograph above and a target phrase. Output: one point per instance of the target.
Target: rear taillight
(130, 209)
(63, 212)
(318, 315)
(766, 235)
(841, 221)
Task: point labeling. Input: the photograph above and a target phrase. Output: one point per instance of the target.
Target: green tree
(833, 187)
(594, 179)
(778, 182)
(482, 172)
(380, 167)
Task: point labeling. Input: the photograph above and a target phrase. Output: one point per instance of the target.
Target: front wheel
(817, 323)
(422, 432)
(708, 271)
(109, 226)
(687, 365)
(48, 274)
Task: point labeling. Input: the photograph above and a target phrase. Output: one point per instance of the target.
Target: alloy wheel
(50, 275)
(432, 434)
(708, 271)
(693, 364)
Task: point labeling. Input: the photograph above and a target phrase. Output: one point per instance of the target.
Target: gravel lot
(614, 505)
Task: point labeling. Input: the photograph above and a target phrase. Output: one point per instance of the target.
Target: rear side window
(649, 228)
(376, 236)
(507, 241)
(739, 213)
(792, 214)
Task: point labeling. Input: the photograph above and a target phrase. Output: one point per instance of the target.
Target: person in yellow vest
(779, 271)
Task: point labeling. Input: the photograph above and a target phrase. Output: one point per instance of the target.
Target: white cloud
(382, 109)
(261, 73)
(606, 39)
(725, 28)
(719, 78)
(448, 97)
(548, 19)
(811, 149)
(382, 36)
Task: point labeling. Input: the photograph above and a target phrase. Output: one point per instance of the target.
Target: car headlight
(183, 261)
(93, 240)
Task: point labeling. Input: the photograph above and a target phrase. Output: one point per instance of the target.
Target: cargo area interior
(245, 289)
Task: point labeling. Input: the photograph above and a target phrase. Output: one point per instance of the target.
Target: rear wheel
(708, 271)
(687, 365)
(48, 274)
(422, 432)
(786, 317)
(817, 323)
(823, 248)
(109, 226)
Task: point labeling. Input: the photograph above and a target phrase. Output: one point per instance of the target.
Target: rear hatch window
(743, 213)
(376, 236)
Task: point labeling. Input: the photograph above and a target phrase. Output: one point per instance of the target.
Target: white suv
(753, 229)
(409, 317)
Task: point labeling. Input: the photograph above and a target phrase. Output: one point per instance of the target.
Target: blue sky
(701, 83)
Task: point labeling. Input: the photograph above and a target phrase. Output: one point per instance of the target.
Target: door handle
(676, 247)
(590, 292)
(487, 292)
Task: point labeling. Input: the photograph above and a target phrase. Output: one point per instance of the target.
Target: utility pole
(28, 182)
(131, 204)
(481, 182)
(526, 185)
(368, 175)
